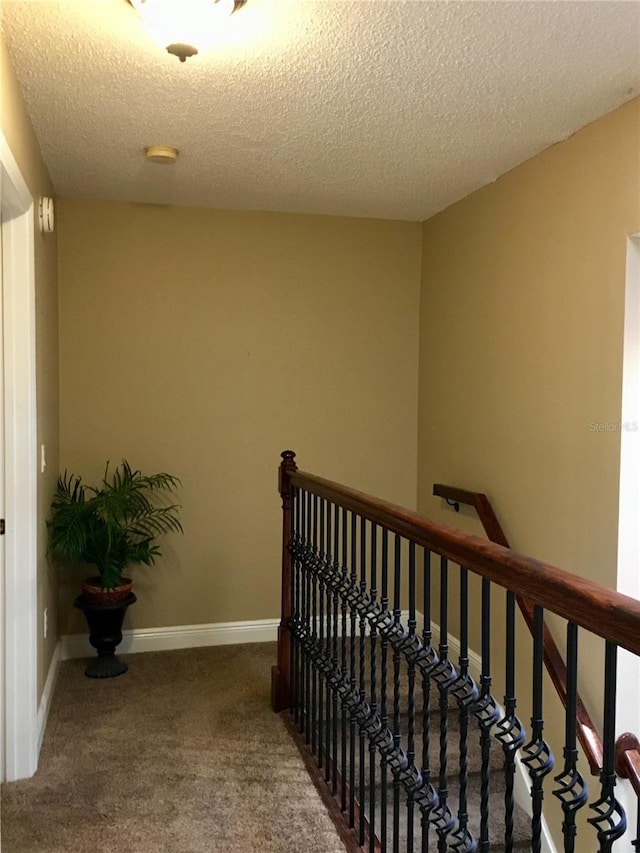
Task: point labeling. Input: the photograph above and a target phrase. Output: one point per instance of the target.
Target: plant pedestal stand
(105, 634)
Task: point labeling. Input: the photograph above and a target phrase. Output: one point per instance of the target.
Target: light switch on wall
(43, 459)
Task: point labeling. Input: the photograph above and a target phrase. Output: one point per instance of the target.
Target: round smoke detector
(161, 153)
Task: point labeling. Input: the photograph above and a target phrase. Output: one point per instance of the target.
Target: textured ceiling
(379, 108)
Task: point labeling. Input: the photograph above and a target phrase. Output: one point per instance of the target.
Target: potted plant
(111, 526)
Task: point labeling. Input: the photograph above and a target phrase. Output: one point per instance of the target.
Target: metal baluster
(352, 680)
(397, 613)
(572, 790)
(321, 627)
(509, 730)
(314, 627)
(295, 598)
(343, 719)
(537, 755)
(384, 718)
(329, 642)
(443, 653)
(363, 625)
(426, 691)
(374, 687)
(307, 619)
(487, 715)
(465, 692)
(610, 821)
(411, 678)
(334, 703)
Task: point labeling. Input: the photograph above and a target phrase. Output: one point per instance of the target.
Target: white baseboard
(47, 695)
(176, 637)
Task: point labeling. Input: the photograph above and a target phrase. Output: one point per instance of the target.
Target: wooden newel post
(280, 674)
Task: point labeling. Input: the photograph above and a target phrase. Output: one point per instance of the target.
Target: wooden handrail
(628, 760)
(587, 732)
(602, 611)
(480, 502)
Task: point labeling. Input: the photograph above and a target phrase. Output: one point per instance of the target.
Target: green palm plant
(113, 525)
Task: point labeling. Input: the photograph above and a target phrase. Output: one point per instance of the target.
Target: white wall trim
(47, 696)
(176, 637)
(628, 567)
(20, 451)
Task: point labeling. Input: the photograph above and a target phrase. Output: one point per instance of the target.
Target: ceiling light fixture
(184, 27)
(161, 153)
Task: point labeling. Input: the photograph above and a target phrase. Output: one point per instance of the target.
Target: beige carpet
(181, 754)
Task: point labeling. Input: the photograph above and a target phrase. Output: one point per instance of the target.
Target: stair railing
(364, 683)
(587, 732)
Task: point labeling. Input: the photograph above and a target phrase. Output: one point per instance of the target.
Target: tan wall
(521, 329)
(204, 343)
(521, 351)
(18, 132)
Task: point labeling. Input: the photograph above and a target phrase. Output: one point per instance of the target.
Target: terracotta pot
(93, 593)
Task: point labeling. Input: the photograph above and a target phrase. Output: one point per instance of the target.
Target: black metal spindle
(572, 790)
(307, 619)
(295, 603)
(343, 717)
(397, 613)
(352, 679)
(334, 650)
(321, 627)
(373, 638)
(363, 676)
(292, 598)
(314, 628)
(465, 692)
(411, 685)
(509, 730)
(426, 690)
(329, 645)
(537, 754)
(384, 718)
(610, 821)
(443, 653)
(487, 715)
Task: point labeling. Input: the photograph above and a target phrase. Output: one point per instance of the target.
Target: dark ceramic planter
(105, 634)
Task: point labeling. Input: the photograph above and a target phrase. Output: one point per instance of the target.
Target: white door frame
(628, 693)
(19, 641)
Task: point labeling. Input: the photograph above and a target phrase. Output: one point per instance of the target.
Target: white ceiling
(380, 108)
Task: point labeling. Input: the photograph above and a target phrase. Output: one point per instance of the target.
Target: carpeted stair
(496, 820)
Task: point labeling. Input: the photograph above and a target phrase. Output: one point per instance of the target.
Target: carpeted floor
(182, 754)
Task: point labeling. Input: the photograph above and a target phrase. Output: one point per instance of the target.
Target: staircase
(410, 752)
(434, 742)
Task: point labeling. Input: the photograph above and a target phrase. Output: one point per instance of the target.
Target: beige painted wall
(203, 343)
(521, 329)
(521, 352)
(17, 130)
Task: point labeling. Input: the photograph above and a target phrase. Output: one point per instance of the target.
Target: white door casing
(628, 692)
(20, 599)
